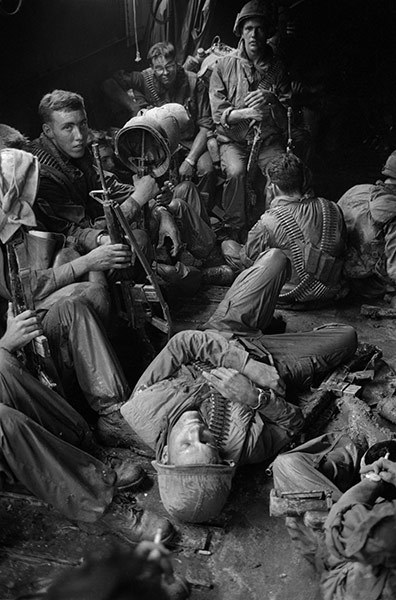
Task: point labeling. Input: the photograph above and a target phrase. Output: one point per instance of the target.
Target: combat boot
(113, 430)
(130, 475)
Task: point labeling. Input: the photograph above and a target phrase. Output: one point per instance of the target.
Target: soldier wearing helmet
(248, 87)
(214, 400)
(370, 215)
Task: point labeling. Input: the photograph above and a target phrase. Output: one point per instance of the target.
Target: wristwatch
(263, 397)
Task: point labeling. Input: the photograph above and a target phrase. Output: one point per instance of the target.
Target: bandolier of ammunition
(149, 81)
(308, 286)
(218, 417)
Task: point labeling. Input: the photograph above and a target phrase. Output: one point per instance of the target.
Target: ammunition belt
(149, 81)
(218, 417)
(308, 285)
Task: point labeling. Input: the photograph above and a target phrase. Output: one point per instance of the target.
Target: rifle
(36, 355)
(133, 300)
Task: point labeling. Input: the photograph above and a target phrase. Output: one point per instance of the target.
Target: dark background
(345, 49)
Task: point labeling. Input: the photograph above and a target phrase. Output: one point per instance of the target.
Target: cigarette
(158, 535)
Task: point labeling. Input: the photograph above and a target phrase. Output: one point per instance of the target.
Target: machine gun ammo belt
(149, 81)
(316, 267)
(216, 409)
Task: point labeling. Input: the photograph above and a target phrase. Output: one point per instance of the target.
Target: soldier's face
(164, 69)
(69, 131)
(190, 442)
(107, 158)
(254, 35)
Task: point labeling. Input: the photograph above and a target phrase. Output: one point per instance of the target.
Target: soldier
(370, 215)
(249, 86)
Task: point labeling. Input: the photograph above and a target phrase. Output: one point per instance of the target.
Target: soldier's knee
(283, 468)
(235, 170)
(274, 259)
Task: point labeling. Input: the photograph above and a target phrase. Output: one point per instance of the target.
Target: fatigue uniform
(41, 436)
(189, 91)
(370, 216)
(361, 539)
(233, 77)
(72, 314)
(173, 384)
(311, 232)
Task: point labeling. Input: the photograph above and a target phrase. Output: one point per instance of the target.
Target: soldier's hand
(21, 329)
(168, 229)
(259, 98)
(388, 471)
(232, 385)
(146, 188)
(186, 171)
(109, 256)
(264, 376)
(382, 469)
(157, 559)
(165, 195)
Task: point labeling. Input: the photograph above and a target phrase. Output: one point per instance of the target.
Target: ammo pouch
(321, 265)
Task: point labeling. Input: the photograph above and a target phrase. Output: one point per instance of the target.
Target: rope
(138, 58)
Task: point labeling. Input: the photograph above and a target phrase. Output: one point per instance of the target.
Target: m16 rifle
(134, 301)
(36, 355)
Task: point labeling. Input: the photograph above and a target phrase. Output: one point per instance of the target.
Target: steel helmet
(262, 9)
(194, 493)
(158, 129)
(389, 168)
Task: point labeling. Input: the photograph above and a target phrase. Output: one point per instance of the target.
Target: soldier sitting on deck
(361, 525)
(214, 399)
(71, 309)
(166, 81)
(309, 230)
(48, 448)
(67, 176)
(370, 215)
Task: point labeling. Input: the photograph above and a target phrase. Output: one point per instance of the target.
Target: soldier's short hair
(59, 100)
(288, 172)
(165, 49)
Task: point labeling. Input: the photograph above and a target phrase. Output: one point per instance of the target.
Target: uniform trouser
(247, 310)
(80, 349)
(205, 177)
(328, 462)
(234, 158)
(39, 432)
(197, 235)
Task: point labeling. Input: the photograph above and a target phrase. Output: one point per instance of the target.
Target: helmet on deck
(194, 493)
